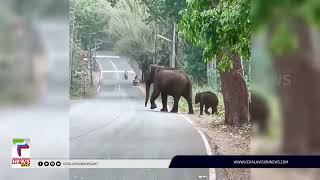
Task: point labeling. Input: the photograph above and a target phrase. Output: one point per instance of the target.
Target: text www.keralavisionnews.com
(80, 163)
(261, 162)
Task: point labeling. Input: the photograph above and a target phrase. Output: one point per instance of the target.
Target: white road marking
(185, 117)
(212, 171)
(98, 88)
(101, 76)
(115, 69)
(206, 143)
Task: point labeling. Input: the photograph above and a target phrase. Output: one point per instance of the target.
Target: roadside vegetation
(213, 44)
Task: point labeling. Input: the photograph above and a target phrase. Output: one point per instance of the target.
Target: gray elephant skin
(169, 82)
(208, 100)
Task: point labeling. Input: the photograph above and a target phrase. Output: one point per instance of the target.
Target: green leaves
(193, 64)
(90, 16)
(226, 25)
(225, 64)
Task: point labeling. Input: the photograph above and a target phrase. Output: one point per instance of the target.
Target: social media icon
(52, 163)
(58, 163)
(46, 163)
(40, 163)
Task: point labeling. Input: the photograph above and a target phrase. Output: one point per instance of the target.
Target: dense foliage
(164, 13)
(222, 27)
(193, 64)
(90, 16)
(134, 38)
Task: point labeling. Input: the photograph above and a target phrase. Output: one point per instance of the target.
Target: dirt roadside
(225, 140)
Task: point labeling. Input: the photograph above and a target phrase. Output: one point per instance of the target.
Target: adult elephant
(168, 81)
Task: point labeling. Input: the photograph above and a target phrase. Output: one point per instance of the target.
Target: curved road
(116, 125)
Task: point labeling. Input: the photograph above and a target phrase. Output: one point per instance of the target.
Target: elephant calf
(209, 100)
(259, 112)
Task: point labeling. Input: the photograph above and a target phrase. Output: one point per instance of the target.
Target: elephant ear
(149, 73)
(153, 71)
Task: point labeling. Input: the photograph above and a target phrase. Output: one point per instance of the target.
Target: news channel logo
(21, 153)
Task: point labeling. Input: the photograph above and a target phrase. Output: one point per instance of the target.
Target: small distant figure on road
(126, 75)
(135, 81)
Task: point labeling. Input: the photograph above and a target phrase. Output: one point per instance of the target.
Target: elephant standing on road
(168, 81)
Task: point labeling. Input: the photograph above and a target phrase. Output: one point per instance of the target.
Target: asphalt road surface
(116, 125)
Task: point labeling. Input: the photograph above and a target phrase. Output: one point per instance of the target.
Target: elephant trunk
(148, 84)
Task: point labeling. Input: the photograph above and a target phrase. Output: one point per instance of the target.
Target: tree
(193, 64)
(134, 37)
(289, 26)
(86, 17)
(164, 13)
(90, 16)
(224, 30)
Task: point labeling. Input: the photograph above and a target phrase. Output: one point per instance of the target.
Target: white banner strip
(97, 163)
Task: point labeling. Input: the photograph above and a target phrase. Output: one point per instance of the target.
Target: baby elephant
(208, 99)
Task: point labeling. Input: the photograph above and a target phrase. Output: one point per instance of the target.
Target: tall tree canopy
(221, 27)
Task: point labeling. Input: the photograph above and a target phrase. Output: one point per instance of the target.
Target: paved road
(116, 124)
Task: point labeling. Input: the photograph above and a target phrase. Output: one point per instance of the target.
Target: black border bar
(246, 161)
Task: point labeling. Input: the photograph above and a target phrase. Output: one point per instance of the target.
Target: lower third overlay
(250, 161)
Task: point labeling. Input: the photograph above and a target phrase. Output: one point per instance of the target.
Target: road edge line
(100, 76)
(115, 69)
(186, 118)
(212, 171)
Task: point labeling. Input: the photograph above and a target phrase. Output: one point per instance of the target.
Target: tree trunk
(210, 75)
(299, 93)
(235, 93)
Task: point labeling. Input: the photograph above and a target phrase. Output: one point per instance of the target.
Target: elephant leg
(189, 101)
(154, 96)
(214, 109)
(175, 104)
(164, 98)
(201, 108)
(206, 109)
